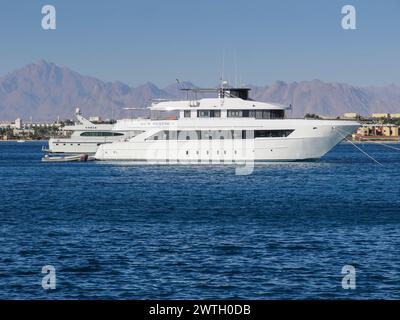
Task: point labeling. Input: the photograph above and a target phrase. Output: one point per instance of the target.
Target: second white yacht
(85, 136)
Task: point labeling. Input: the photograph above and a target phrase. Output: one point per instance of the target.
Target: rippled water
(124, 231)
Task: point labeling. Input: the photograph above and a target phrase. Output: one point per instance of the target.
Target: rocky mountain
(322, 98)
(45, 91)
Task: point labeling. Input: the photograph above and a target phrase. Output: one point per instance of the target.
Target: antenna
(223, 68)
(236, 70)
(291, 110)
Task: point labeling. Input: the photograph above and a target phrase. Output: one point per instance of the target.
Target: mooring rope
(358, 148)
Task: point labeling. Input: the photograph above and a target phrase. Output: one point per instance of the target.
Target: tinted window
(258, 114)
(101, 134)
(271, 133)
(208, 113)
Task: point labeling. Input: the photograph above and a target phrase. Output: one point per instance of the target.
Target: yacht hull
(312, 140)
(71, 146)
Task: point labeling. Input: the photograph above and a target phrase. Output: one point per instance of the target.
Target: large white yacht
(86, 136)
(228, 128)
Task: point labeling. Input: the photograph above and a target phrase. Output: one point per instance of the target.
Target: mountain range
(45, 91)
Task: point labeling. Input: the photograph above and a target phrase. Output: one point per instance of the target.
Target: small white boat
(80, 157)
(21, 141)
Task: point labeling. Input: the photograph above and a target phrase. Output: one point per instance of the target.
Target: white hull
(311, 140)
(72, 146)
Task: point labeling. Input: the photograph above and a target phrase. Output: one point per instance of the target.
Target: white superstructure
(228, 128)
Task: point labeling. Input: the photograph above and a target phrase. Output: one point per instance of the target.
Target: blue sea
(126, 231)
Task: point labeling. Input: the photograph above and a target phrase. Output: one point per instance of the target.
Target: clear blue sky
(158, 41)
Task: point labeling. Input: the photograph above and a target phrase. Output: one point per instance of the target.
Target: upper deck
(215, 103)
(230, 103)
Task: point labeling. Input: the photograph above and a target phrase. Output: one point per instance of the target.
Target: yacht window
(100, 134)
(258, 114)
(272, 133)
(241, 113)
(219, 134)
(186, 113)
(208, 113)
(266, 114)
(245, 113)
(277, 114)
(234, 114)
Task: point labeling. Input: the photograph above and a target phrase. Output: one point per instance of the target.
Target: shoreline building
(21, 129)
(373, 131)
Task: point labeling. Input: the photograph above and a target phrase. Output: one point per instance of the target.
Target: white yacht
(228, 128)
(86, 136)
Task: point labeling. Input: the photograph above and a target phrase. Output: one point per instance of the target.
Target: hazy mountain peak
(279, 83)
(44, 63)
